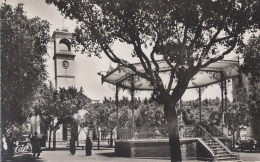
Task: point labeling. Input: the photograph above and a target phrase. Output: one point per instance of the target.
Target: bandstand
(131, 142)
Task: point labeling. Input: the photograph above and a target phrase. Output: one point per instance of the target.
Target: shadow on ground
(113, 154)
(247, 151)
(27, 157)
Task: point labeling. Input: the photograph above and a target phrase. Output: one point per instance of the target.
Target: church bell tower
(64, 55)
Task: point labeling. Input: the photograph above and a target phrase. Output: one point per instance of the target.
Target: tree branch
(222, 55)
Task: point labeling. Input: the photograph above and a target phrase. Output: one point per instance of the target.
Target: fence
(144, 132)
(155, 132)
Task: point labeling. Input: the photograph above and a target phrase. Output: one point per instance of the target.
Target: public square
(133, 80)
(105, 154)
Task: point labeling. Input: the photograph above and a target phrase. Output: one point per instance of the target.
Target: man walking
(36, 148)
(10, 145)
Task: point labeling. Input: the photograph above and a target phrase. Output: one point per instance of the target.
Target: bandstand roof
(206, 76)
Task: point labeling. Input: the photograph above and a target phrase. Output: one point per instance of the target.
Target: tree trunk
(94, 133)
(78, 140)
(54, 139)
(50, 139)
(173, 130)
(111, 137)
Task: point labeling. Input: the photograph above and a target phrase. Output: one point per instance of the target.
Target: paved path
(64, 155)
(249, 156)
(102, 155)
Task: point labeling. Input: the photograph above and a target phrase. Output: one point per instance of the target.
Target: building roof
(206, 76)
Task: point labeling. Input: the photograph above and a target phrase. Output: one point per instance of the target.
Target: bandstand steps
(223, 155)
(221, 152)
(227, 158)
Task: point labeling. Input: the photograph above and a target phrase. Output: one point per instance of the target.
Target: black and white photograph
(130, 80)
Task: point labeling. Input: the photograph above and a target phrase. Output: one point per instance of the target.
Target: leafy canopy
(183, 33)
(251, 62)
(23, 50)
(61, 105)
(250, 67)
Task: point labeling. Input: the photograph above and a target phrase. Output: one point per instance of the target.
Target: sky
(86, 68)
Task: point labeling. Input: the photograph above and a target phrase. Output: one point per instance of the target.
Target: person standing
(88, 147)
(72, 146)
(36, 148)
(10, 145)
(29, 145)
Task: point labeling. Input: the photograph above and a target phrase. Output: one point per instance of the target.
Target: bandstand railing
(190, 131)
(207, 137)
(155, 132)
(143, 132)
(222, 137)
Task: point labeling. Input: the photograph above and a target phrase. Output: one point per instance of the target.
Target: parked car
(246, 143)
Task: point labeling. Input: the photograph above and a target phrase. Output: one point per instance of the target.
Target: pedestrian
(88, 147)
(72, 146)
(10, 145)
(29, 145)
(36, 148)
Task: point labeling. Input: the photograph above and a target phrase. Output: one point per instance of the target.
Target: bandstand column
(117, 125)
(132, 101)
(200, 103)
(222, 102)
(181, 122)
(225, 119)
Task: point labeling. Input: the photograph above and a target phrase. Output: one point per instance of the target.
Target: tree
(251, 56)
(104, 114)
(187, 35)
(23, 54)
(238, 113)
(254, 111)
(210, 112)
(251, 67)
(150, 113)
(58, 107)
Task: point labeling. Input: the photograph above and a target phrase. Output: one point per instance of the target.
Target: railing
(144, 132)
(207, 137)
(156, 132)
(190, 131)
(152, 132)
(125, 133)
(216, 132)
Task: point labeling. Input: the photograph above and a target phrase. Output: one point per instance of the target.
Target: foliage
(254, 111)
(210, 112)
(251, 56)
(23, 50)
(150, 113)
(238, 113)
(104, 114)
(58, 107)
(186, 35)
(251, 67)
(147, 113)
